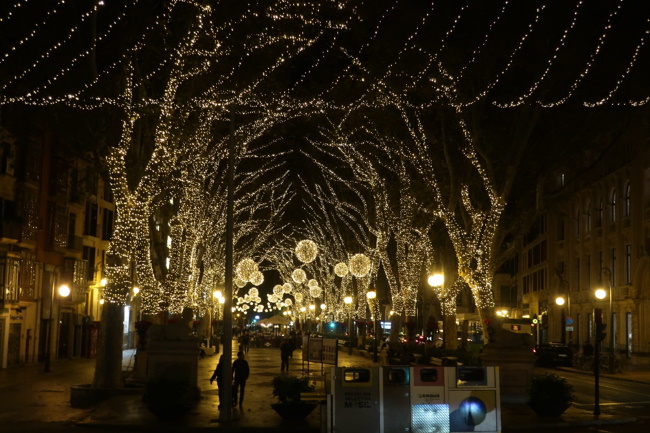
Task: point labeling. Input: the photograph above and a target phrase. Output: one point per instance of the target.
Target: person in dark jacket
(285, 354)
(218, 375)
(240, 371)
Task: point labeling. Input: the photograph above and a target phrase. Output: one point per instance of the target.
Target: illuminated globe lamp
(245, 269)
(253, 292)
(359, 265)
(239, 282)
(601, 294)
(306, 251)
(64, 291)
(312, 283)
(287, 288)
(299, 276)
(298, 297)
(257, 278)
(559, 300)
(315, 291)
(277, 290)
(341, 269)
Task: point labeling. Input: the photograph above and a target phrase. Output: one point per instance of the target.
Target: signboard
(569, 321)
(330, 351)
(315, 349)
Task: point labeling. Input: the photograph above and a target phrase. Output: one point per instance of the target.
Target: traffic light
(600, 326)
(600, 331)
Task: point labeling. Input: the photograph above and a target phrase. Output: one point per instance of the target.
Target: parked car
(553, 355)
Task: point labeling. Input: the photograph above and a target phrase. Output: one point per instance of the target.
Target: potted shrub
(288, 389)
(550, 395)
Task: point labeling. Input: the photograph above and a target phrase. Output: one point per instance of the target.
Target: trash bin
(473, 398)
(429, 408)
(355, 399)
(395, 398)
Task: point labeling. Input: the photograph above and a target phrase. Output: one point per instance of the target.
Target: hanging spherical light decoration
(359, 265)
(257, 299)
(287, 287)
(277, 289)
(272, 298)
(257, 278)
(315, 291)
(299, 276)
(306, 251)
(288, 302)
(298, 297)
(253, 292)
(312, 283)
(245, 269)
(341, 269)
(239, 282)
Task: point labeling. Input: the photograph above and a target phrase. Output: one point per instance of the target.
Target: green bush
(288, 388)
(550, 395)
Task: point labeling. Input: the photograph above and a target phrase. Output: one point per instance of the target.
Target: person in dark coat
(218, 375)
(285, 354)
(240, 371)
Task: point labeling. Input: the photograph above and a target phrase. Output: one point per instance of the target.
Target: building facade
(56, 222)
(596, 234)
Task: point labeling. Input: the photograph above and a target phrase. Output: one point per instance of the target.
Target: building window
(107, 224)
(612, 212)
(627, 210)
(599, 221)
(588, 228)
(576, 277)
(628, 335)
(588, 272)
(90, 222)
(628, 264)
(560, 229)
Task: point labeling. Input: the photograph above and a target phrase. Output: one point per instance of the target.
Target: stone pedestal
(515, 370)
(180, 356)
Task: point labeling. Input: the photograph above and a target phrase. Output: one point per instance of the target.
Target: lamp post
(348, 302)
(601, 293)
(560, 301)
(436, 281)
(372, 300)
(64, 291)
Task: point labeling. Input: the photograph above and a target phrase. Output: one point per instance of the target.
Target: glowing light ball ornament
(288, 302)
(257, 278)
(287, 287)
(277, 289)
(359, 265)
(246, 269)
(315, 291)
(306, 251)
(239, 282)
(312, 283)
(298, 297)
(299, 276)
(253, 292)
(341, 269)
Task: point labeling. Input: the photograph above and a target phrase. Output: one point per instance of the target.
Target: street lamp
(348, 302)
(372, 300)
(560, 301)
(601, 293)
(64, 291)
(436, 281)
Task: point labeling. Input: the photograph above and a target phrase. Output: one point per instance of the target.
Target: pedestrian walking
(285, 354)
(218, 375)
(245, 342)
(240, 371)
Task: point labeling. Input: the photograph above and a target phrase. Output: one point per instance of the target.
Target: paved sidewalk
(30, 395)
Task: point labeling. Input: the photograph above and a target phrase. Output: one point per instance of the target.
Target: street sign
(569, 321)
(569, 328)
